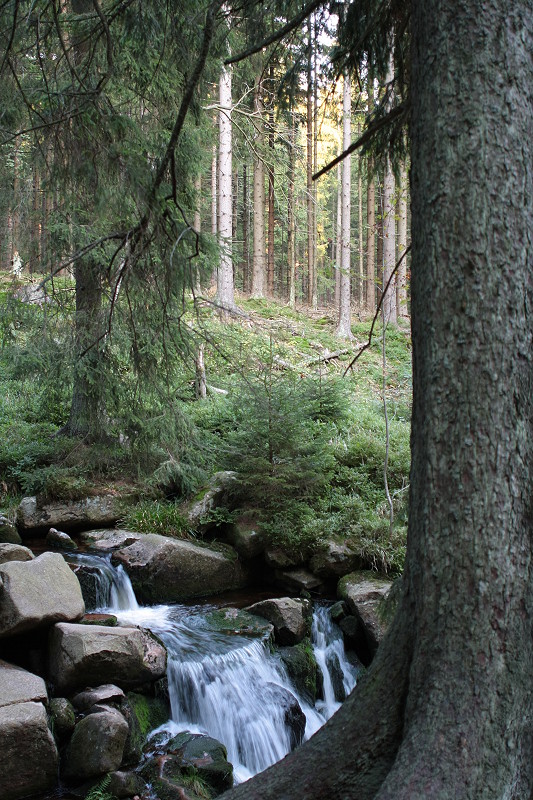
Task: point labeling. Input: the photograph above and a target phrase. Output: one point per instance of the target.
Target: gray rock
(96, 746)
(364, 594)
(338, 611)
(246, 538)
(14, 552)
(60, 540)
(297, 580)
(81, 655)
(303, 670)
(63, 717)
(29, 752)
(100, 694)
(165, 570)
(34, 295)
(106, 540)
(289, 617)
(38, 593)
(287, 704)
(19, 686)
(279, 559)
(8, 532)
(86, 513)
(197, 510)
(335, 560)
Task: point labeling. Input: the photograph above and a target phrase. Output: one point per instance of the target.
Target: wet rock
(60, 540)
(289, 617)
(125, 784)
(14, 552)
(96, 746)
(143, 714)
(279, 559)
(302, 669)
(29, 752)
(289, 706)
(86, 513)
(337, 611)
(81, 655)
(188, 754)
(100, 694)
(38, 593)
(238, 622)
(8, 531)
(164, 570)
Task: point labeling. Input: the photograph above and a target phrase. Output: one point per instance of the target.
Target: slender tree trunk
(245, 236)
(338, 239)
(309, 141)
(291, 219)
(370, 281)
(389, 232)
(361, 273)
(259, 254)
(314, 291)
(379, 243)
(225, 285)
(401, 282)
(197, 224)
(271, 198)
(214, 192)
(344, 329)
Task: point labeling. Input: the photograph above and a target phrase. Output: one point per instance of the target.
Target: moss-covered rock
(189, 756)
(301, 666)
(143, 714)
(240, 623)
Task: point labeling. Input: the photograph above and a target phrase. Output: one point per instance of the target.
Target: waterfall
(230, 687)
(338, 675)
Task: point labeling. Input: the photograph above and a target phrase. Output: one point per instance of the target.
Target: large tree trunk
(446, 709)
(291, 217)
(309, 174)
(344, 329)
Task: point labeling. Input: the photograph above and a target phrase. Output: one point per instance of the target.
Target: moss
(302, 668)
(145, 714)
(233, 621)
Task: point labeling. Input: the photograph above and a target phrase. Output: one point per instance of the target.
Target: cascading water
(230, 687)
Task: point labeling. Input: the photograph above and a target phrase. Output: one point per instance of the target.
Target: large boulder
(96, 746)
(335, 560)
(75, 514)
(29, 752)
(245, 536)
(8, 531)
(19, 686)
(303, 670)
(164, 570)
(289, 617)
(364, 594)
(85, 655)
(14, 552)
(38, 593)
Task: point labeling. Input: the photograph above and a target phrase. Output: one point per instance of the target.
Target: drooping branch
(277, 35)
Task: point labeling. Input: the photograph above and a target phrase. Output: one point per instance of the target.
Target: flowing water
(230, 687)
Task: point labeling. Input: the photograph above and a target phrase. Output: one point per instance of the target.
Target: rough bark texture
(445, 711)
(401, 281)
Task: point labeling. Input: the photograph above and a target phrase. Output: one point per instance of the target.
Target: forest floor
(287, 408)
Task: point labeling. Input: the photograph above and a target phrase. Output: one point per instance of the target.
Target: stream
(227, 686)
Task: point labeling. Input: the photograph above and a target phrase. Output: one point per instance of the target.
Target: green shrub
(156, 516)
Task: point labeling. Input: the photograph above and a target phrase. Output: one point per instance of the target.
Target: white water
(230, 687)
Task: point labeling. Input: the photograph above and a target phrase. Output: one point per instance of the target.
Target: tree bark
(401, 283)
(271, 198)
(344, 329)
(259, 251)
(291, 219)
(446, 709)
(225, 284)
(309, 174)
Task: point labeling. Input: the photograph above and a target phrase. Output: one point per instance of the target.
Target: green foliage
(101, 790)
(156, 516)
